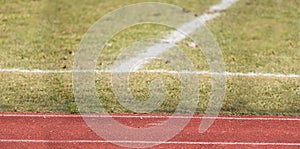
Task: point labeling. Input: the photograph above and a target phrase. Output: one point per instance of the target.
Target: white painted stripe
(176, 36)
(153, 142)
(153, 117)
(16, 70)
(233, 74)
(249, 74)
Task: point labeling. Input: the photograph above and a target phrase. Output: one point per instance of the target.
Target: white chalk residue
(176, 36)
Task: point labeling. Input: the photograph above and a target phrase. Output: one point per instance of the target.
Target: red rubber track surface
(27, 130)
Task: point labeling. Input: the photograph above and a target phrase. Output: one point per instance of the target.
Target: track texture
(70, 131)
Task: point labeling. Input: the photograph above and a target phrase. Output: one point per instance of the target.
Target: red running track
(70, 131)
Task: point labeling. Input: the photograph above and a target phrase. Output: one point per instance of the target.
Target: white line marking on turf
(156, 49)
(16, 70)
(233, 74)
(176, 36)
(150, 116)
(153, 142)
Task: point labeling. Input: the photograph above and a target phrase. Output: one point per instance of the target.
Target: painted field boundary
(233, 74)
